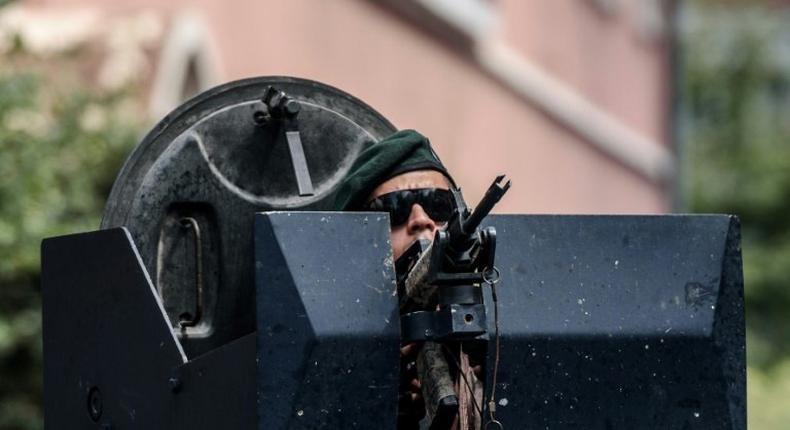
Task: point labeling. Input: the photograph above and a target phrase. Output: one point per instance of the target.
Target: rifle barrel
(493, 194)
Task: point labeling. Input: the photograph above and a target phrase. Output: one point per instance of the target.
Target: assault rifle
(441, 301)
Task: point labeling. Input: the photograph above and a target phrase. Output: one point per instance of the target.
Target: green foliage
(737, 98)
(59, 153)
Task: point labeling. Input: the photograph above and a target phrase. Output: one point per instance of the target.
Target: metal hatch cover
(188, 192)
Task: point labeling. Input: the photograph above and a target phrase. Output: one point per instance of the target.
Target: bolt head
(94, 403)
(292, 107)
(175, 384)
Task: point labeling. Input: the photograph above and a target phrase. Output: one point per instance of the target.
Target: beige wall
(479, 123)
(610, 58)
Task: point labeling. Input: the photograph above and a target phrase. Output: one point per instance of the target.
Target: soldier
(403, 176)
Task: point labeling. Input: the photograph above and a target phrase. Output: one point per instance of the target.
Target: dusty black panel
(105, 335)
(110, 358)
(620, 322)
(328, 327)
(606, 322)
(215, 390)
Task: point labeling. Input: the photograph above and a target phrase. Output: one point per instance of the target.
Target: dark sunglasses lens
(399, 215)
(397, 203)
(440, 206)
(437, 204)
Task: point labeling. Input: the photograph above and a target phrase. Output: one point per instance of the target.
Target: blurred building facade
(569, 98)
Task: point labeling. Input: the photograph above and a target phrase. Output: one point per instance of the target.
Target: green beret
(404, 151)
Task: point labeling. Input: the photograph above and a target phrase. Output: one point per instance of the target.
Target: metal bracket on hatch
(278, 107)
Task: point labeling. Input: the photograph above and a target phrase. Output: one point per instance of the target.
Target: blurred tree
(736, 97)
(60, 149)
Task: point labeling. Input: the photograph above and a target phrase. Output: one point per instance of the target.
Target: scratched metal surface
(606, 322)
(620, 322)
(104, 331)
(328, 325)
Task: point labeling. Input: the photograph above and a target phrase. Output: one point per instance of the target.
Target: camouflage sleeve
(435, 379)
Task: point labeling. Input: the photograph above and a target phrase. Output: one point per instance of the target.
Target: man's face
(419, 225)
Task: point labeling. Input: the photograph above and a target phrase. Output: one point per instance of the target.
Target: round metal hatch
(189, 190)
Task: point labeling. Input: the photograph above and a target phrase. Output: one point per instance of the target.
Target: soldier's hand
(411, 400)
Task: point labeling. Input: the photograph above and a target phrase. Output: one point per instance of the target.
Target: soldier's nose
(419, 220)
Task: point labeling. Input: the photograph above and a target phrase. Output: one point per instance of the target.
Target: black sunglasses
(436, 202)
